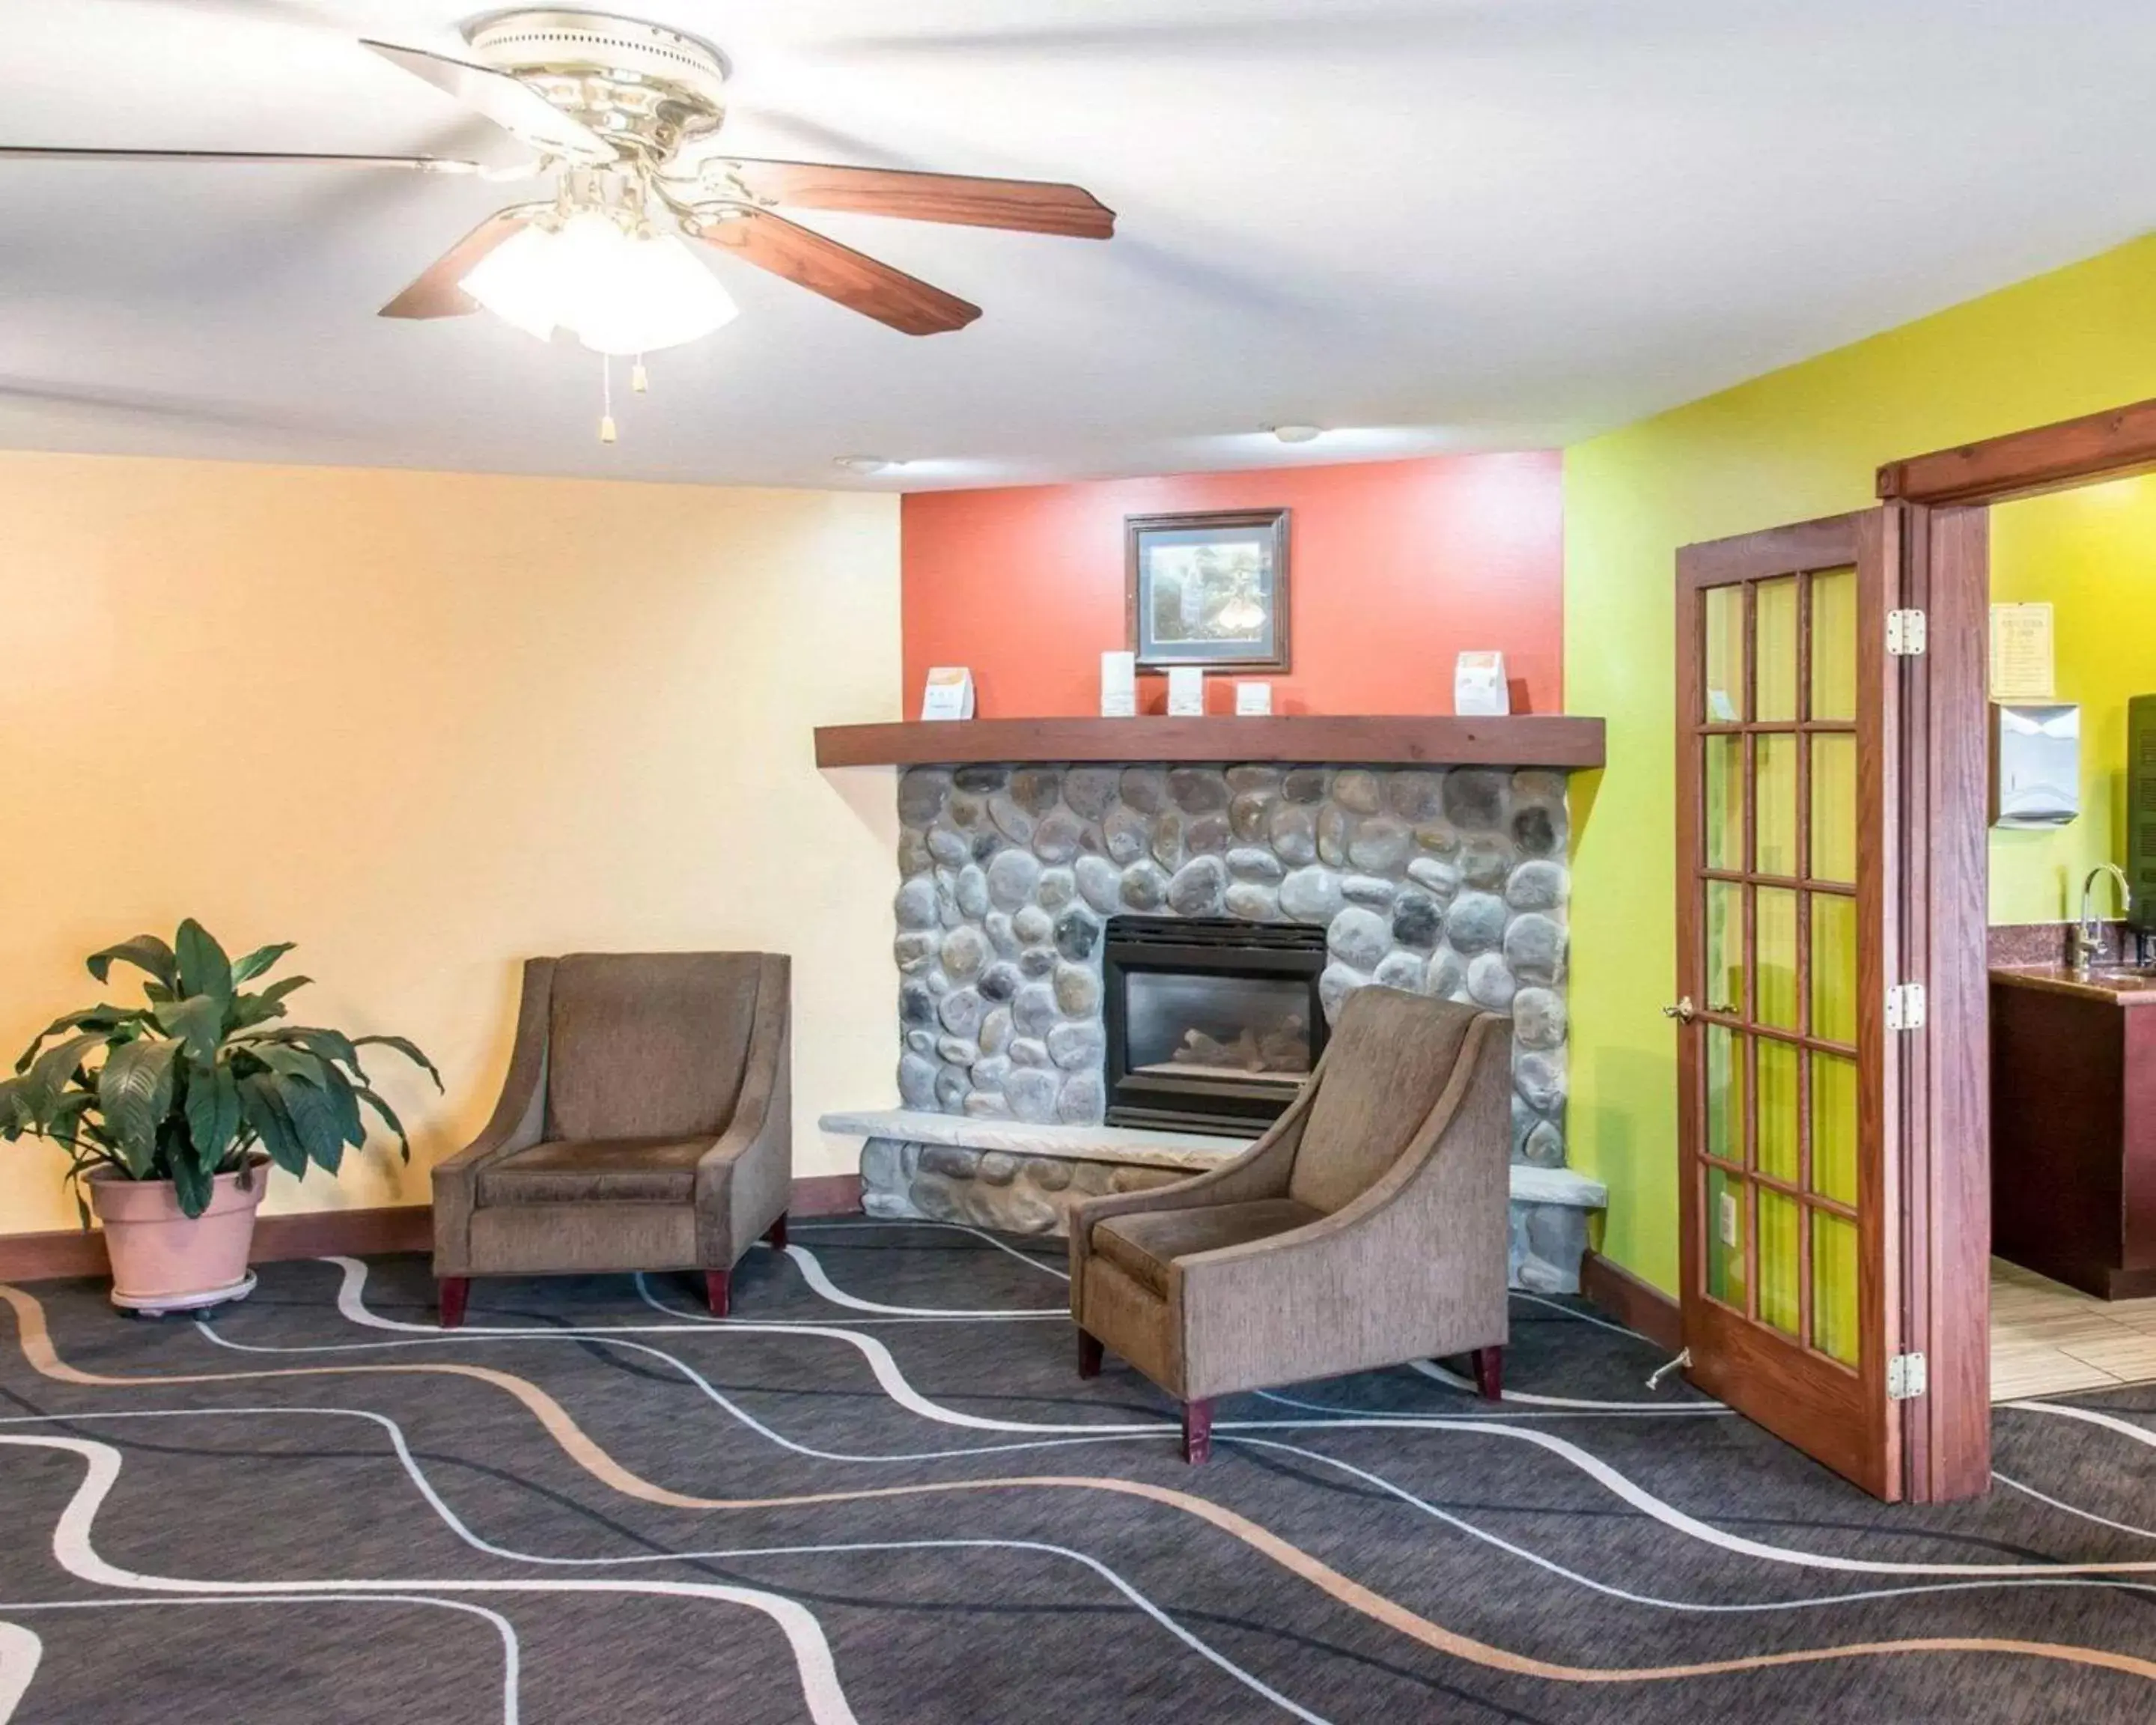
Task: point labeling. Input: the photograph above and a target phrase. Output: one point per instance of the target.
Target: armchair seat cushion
(627, 1170)
(1143, 1243)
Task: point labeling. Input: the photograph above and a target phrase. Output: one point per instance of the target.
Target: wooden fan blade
(281, 158)
(435, 293)
(838, 272)
(514, 106)
(1026, 206)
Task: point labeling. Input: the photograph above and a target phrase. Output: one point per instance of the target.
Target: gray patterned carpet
(883, 1495)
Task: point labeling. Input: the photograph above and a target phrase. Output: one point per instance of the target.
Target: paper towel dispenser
(2035, 764)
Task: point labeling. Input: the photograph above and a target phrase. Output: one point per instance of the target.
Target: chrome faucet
(2088, 936)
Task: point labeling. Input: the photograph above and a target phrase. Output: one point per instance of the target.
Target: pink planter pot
(162, 1260)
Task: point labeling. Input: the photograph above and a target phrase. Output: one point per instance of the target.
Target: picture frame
(1209, 589)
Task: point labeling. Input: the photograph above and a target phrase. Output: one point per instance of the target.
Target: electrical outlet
(1728, 1219)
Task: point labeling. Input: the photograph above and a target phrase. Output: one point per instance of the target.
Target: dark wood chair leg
(718, 1292)
(1089, 1355)
(775, 1235)
(451, 1292)
(1490, 1372)
(1197, 1431)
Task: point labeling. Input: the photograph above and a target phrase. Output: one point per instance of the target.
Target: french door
(1787, 918)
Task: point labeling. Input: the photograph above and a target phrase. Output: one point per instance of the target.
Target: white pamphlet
(1119, 686)
(1479, 689)
(1186, 691)
(949, 694)
(1253, 699)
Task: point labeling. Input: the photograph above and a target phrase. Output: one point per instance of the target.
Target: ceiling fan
(626, 115)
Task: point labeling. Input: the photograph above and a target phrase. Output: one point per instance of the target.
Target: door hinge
(1905, 633)
(1905, 1007)
(1905, 1377)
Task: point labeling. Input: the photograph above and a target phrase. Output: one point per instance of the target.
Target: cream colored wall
(427, 724)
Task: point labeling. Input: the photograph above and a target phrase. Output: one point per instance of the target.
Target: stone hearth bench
(1002, 1173)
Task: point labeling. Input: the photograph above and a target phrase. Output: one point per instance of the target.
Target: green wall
(2092, 552)
(1798, 442)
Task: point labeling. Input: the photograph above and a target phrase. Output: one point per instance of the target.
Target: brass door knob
(1683, 1011)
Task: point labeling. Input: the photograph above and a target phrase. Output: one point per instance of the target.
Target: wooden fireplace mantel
(1529, 740)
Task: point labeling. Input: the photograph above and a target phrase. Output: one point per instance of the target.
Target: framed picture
(1208, 590)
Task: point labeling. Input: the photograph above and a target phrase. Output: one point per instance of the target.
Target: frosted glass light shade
(616, 292)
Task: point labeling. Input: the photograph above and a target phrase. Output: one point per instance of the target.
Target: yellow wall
(2091, 553)
(427, 724)
(1798, 442)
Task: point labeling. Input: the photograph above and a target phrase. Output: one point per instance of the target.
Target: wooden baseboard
(342, 1233)
(1637, 1305)
(826, 1195)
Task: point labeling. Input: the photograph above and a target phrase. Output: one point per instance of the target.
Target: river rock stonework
(1445, 881)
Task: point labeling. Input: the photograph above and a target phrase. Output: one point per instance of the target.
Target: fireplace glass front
(1213, 1024)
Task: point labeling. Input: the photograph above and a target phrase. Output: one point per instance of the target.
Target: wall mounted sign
(1207, 590)
(2021, 655)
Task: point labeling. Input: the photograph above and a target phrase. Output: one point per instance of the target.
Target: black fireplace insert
(1213, 1024)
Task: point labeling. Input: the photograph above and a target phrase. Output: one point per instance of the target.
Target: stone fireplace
(1083, 947)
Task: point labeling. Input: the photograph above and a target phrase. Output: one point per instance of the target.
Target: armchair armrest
(519, 1117)
(1262, 1171)
(744, 1181)
(1414, 1264)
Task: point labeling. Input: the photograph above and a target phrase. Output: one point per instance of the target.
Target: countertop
(2122, 987)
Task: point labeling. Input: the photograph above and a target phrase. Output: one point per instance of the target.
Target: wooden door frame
(1947, 1124)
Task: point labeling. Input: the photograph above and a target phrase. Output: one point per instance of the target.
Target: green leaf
(97, 1018)
(389, 1118)
(57, 1065)
(345, 1104)
(213, 1112)
(264, 1111)
(314, 1120)
(146, 952)
(193, 1185)
(203, 967)
(259, 960)
(254, 1009)
(16, 1115)
(135, 1094)
(404, 1047)
(198, 1022)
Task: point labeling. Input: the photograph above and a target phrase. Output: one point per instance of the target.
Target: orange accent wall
(1395, 567)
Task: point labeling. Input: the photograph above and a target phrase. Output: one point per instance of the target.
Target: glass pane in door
(1780, 1303)
(1834, 1286)
(1725, 1237)
(1777, 1081)
(1774, 790)
(1723, 647)
(1834, 644)
(1725, 1095)
(1724, 788)
(1833, 806)
(1775, 645)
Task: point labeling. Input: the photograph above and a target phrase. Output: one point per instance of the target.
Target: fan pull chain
(608, 433)
(639, 380)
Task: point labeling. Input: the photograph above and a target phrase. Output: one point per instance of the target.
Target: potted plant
(169, 1112)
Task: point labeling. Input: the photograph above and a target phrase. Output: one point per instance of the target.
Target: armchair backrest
(1387, 1061)
(648, 1044)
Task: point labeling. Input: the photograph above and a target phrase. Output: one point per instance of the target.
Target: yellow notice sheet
(2022, 667)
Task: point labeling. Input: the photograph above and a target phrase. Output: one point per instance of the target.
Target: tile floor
(2047, 1338)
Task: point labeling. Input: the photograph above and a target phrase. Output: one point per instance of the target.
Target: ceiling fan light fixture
(616, 291)
(1297, 433)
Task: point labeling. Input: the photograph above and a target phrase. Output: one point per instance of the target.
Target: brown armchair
(645, 1124)
(1367, 1228)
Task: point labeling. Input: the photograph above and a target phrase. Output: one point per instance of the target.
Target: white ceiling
(1432, 224)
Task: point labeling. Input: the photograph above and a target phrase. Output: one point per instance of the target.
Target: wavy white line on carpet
(76, 1553)
(401, 1448)
(20, 1651)
(2087, 1416)
(1618, 1484)
(821, 1285)
(1001, 1245)
(2086, 1515)
(511, 1706)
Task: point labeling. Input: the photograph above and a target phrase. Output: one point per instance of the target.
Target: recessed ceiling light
(1296, 433)
(866, 464)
